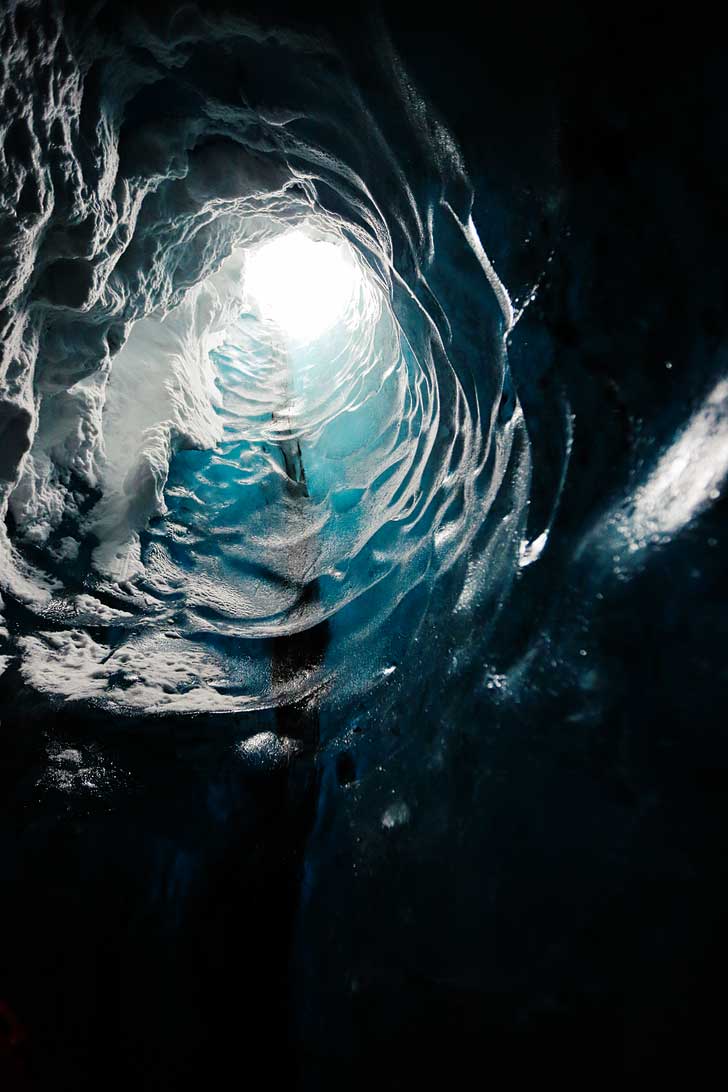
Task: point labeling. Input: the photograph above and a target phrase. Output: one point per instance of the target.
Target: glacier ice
(211, 446)
(360, 555)
(206, 447)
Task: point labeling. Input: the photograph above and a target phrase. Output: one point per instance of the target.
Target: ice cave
(363, 452)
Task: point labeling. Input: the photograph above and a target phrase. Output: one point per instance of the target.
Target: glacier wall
(361, 692)
(143, 166)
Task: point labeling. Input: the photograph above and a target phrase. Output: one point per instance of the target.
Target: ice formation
(254, 372)
(361, 584)
(243, 396)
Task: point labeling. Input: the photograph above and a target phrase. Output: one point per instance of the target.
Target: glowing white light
(689, 474)
(686, 479)
(301, 284)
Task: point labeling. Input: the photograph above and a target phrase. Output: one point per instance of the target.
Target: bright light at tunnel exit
(301, 284)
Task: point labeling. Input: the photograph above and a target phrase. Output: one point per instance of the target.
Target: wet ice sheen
(262, 388)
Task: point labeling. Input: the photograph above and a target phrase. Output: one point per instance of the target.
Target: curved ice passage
(197, 464)
(264, 473)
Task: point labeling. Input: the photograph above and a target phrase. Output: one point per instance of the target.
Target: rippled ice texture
(190, 485)
(460, 793)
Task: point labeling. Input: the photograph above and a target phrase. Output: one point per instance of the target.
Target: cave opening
(363, 417)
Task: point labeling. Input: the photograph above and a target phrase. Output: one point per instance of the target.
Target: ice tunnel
(268, 420)
(361, 495)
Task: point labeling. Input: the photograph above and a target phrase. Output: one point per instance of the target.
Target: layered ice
(254, 376)
(209, 447)
(425, 557)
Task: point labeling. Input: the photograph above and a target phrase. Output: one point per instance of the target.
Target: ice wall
(159, 154)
